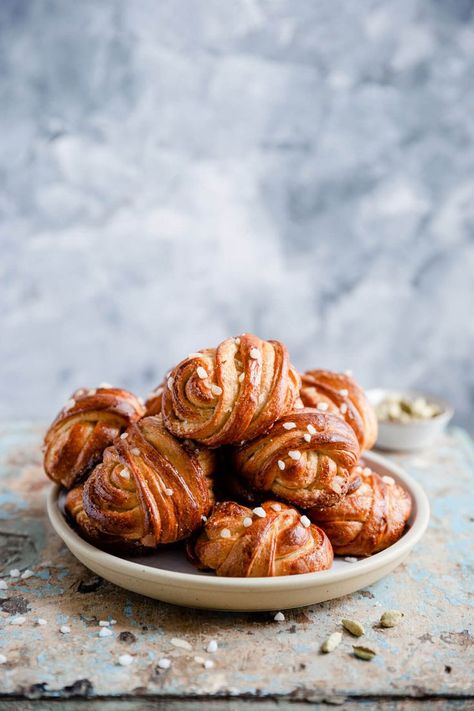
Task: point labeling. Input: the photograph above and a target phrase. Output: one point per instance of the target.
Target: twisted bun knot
(86, 425)
(75, 509)
(304, 459)
(231, 393)
(237, 542)
(369, 519)
(339, 394)
(150, 487)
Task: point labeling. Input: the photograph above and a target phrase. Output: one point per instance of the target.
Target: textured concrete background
(174, 172)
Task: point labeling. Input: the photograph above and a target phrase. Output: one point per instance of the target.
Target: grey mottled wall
(175, 171)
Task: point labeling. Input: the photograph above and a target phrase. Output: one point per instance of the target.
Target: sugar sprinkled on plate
(279, 617)
(164, 663)
(65, 629)
(14, 573)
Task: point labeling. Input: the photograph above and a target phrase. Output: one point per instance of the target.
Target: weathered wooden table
(427, 660)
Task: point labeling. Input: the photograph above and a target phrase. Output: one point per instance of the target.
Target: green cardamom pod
(330, 644)
(366, 653)
(353, 627)
(391, 618)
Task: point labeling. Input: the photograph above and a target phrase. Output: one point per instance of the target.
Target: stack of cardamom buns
(256, 466)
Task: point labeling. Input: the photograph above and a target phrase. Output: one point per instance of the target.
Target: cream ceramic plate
(167, 575)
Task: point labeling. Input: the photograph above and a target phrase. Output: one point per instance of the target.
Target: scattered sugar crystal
(105, 632)
(181, 643)
(125, 660)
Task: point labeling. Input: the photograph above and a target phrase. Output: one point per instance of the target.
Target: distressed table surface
(428, 659)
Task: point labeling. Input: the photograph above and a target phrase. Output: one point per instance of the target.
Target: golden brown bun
(154, 400)
(74, 507)
(369, 519)
(231, 393)
(278, 544)
(304, 459)
(88, 424)
(151, 488)
(343, 397)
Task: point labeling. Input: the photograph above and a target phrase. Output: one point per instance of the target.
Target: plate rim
(179, 579)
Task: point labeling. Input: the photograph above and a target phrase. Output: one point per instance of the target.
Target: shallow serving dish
(167, 575)
(408, 436)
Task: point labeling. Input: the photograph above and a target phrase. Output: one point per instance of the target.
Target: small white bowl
(417, 434)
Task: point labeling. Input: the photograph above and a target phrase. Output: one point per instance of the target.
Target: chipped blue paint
(128, 609)
(10, 505)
